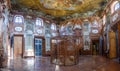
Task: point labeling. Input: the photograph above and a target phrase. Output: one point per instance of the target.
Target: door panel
(38, 47)
(18, 46)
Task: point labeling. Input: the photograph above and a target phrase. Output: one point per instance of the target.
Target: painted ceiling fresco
(61, 8)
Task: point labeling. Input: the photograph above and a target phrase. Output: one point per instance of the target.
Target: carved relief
(29, 28)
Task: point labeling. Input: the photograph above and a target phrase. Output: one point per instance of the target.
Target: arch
(117, 6)
(114, 6)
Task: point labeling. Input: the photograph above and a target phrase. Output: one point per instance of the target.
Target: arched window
(18, 19)
(62, 28)
(39, 22)
(95, 23)
(117, 6)
(53, 27)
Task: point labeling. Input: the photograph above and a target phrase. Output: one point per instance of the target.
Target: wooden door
(118, 39)
(95, 47)
(112, 51)
(18, 46)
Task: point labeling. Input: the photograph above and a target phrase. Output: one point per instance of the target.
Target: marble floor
(86, 63)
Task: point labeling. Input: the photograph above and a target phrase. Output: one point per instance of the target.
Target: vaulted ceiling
(61, 8)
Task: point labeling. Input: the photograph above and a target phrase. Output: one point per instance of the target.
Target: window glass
(39, 22)
(117, 6)
(18, 19)
(53, 27)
